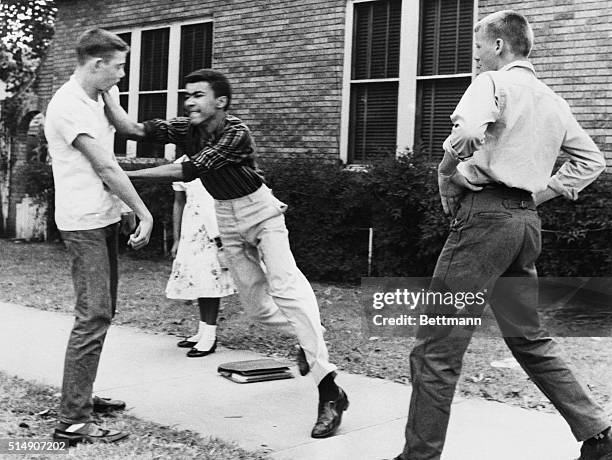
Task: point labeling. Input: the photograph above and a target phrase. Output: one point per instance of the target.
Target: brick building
(335, 80)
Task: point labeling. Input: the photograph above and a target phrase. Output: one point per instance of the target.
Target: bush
(331, 210)
(577, 236)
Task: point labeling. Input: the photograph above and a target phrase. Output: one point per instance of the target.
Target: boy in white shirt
(89, 189)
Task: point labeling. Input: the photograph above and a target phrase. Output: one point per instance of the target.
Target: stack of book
(256, 370)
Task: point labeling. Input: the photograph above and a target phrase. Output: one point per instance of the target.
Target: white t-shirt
(82, 200)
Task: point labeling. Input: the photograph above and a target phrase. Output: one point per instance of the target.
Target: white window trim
(408, 78)
(174, 49)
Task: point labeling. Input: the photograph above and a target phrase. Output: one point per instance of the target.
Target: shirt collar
(523, 64)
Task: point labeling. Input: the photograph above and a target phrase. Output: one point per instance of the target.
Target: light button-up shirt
(509, 128)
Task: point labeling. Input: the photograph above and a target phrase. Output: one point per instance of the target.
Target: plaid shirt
(224, 161)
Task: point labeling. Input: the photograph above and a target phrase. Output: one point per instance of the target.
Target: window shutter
(373, 106)
(153, 77)
(120, 145)
(196, 48)
(124, 83)
(376, 40)
(154, 60)
(373, 121)
(151, 106)
(445, 49)
(446, 37)
(437, 101)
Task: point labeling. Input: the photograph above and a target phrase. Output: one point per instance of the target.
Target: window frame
(173, 85)
(410, 32)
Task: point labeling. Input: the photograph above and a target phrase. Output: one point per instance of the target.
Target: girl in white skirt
(196, 270)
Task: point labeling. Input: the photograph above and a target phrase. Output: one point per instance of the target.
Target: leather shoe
(86, 433)
(186, 344)
(195, 353)
(597, 449)
(107, 405)
(330, 415)
(302, 363)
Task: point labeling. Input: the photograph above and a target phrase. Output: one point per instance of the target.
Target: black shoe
(186, 344)
(107, 405)
(195, 353)
(302, 364)
(330, 416)
(597, 449)
(86, 433)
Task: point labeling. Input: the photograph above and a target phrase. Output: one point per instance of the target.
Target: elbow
(108, 171)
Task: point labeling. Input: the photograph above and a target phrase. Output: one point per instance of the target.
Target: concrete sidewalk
(160, 384)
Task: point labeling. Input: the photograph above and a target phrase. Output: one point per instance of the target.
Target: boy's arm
(117, 181)
(162, 173)
(120, 119)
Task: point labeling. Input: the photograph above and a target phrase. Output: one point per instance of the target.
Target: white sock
(207, 340)
(198, 335)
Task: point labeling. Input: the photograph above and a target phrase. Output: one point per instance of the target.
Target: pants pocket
(493, 215)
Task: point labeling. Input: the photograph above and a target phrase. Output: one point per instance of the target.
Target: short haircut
(99, 43)
(510, 26)
(218, 82)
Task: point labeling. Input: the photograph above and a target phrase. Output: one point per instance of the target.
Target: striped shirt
(224, 161)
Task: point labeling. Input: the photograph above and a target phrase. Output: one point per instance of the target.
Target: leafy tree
(26, 29)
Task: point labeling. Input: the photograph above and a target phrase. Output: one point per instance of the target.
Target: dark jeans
(494, 236)
(93, 255)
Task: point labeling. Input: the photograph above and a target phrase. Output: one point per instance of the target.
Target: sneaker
(597, 449)
(86, 433)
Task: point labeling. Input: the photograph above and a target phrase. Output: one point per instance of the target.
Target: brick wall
(284, 59)
(573, 55)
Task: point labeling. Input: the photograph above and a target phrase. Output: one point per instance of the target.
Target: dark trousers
(93, 255)
(493, 244)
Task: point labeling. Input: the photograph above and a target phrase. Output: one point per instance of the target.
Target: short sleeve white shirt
(82, 200)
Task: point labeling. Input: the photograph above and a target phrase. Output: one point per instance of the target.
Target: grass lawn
(29, 411)
(37, 275)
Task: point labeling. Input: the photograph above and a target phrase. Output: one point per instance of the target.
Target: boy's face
(110, 70)
(486, 52)
(201, 103)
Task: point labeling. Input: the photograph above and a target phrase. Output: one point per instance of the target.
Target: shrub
(331, 211)
(577, 236)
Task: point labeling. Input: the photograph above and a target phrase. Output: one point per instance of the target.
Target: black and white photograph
(317, 230)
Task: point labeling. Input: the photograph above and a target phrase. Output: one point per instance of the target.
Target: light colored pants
(253, 231)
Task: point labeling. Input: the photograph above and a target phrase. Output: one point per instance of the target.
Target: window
(159, 60)
(408, 63)
(444, 69)
(374, 80)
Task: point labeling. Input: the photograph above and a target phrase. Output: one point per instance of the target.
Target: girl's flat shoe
(195, 353)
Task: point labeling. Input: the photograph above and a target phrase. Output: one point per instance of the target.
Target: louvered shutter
(445, 49)
(120, 146)
(196, 53)
(375, 56)
(153, 84)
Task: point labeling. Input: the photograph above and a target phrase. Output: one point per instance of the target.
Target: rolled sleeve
(190, 171)
(478, 107)
(171, 131)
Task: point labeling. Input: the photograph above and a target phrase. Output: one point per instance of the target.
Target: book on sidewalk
(255, 370)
